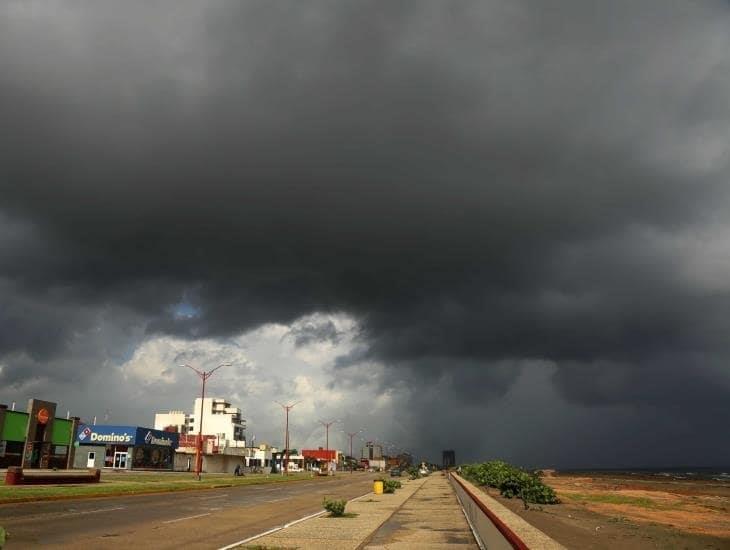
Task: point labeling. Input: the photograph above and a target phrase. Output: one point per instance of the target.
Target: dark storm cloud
(479, 184)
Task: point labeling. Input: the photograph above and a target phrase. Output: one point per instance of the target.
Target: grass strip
(142, 484)
(643, 502)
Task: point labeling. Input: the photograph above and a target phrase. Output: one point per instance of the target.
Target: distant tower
(449, 459)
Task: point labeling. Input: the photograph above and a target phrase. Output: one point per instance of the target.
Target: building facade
(36, 438)
(173, 421)
(372, 451)
(125, 448)
(448, 459)
(220, 420)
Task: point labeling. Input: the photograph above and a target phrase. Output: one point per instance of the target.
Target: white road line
(82, 512)
(214, 497)
(274, 530)
(50, 516)
(188, 517)
(280, 527)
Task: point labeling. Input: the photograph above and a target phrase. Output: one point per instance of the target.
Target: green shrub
(390, 485)
(335, 507)
(511, 481)
(511, 485)
(534, 490)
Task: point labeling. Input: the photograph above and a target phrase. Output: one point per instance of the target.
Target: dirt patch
(604, 512)
(694, 507)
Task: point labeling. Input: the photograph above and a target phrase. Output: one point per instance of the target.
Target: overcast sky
(497, 226)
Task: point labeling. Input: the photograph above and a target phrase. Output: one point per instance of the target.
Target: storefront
(125, 448)
(36, 438)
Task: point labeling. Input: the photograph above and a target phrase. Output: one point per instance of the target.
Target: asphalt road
(191, 519)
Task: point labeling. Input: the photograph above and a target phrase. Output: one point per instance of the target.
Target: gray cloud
(309, 331)
(482, 186)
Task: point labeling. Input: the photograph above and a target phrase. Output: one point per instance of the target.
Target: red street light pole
(287, 408)
(198, 448)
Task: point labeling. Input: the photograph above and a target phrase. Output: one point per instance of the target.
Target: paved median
(423, 514)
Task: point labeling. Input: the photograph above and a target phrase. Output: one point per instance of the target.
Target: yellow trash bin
(378, 487)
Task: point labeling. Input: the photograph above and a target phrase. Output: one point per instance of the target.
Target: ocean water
(683, 472)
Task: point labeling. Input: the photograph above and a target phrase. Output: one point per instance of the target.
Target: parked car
(395, 472)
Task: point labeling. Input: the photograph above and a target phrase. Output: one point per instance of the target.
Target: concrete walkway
(346, 533)
(432, 518)
(423, 514)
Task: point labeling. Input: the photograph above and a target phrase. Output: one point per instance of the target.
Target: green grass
(613, 499)
(125, 484)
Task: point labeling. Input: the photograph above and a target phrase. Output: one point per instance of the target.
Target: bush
(413, 473)
(511, 481)
(534, 490)
(390, 485)
(335, 507)
(492, 473)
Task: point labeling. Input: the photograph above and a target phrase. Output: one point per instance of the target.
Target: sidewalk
(432, 518)
(423, 514)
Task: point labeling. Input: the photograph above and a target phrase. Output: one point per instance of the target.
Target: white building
(172, 419)
(219, 420)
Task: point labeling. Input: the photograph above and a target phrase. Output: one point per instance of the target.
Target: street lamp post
(327, 431)
(287, 408)
(198, 448)
(351, 435)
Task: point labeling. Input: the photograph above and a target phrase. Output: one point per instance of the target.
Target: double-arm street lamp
(198, 448)
(351, 435)
(327, 431)
(287, 408)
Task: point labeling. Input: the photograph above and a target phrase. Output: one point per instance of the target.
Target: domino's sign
(126, 435)
(94, 435)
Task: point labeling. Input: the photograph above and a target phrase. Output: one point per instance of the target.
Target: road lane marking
(59, 515)
(213, 497)
(274, 530)
(81, 512)
(187, 517)
(280, 527)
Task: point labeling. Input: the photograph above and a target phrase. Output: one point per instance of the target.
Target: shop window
(159, 458)
(13, 454)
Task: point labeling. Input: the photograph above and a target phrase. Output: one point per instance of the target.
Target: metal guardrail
(490, 531)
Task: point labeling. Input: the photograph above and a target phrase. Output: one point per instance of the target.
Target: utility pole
(351, 435)
(327, 431)
(198, 448)
(287, 408)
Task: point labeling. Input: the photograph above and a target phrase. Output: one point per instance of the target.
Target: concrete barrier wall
(497, 527)
(17, 476)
